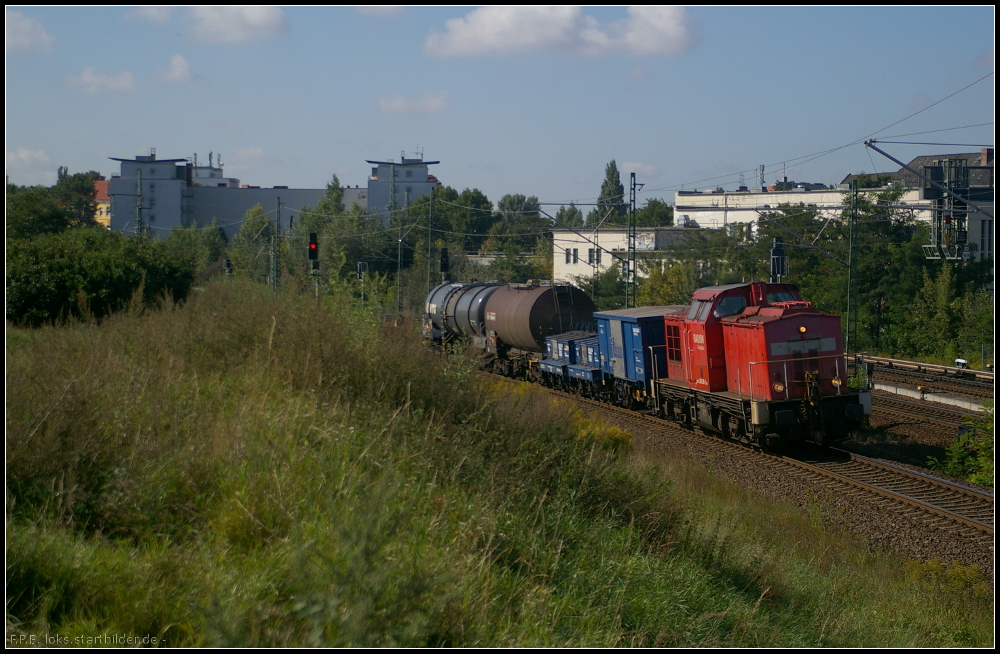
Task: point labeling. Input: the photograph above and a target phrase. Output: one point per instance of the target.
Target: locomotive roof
(641, 312)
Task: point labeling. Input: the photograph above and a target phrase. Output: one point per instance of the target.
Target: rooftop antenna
(763, 184)
(196, 159)
(210, 159)
(152, 153)
(402, 155)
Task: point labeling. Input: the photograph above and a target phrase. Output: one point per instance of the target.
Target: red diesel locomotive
(757, 363)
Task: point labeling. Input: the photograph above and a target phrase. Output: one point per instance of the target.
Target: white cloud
(235, 24)
(30, 167)
(155, 14)
(646, 170)
(23, 158)
(26, 34)
(179, 70)
(93, 81)
(563, 30)
(425, 104)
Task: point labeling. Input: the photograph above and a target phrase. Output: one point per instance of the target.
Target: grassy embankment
(255, 469)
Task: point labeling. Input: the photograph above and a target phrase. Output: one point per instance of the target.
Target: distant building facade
(587, 252)
(392, 186)
(157, 195)
(102, 212)
(970, 173)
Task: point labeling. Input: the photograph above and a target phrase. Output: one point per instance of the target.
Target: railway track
(940, 417)
(935, 502)
(953, 503)
(933, 378)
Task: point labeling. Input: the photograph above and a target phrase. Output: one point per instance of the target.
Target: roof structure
(980, 164)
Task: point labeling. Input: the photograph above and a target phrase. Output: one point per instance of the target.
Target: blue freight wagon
(633, 349)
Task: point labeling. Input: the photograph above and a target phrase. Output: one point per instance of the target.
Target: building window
(597, 256)
(409, 173)
(576, 256)
(569, 255)
(590, 256)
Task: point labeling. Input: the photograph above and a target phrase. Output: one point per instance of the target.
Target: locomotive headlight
(778, 387)
(802, 329)
(836, 381)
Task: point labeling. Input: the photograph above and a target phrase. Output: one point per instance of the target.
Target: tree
(611, 206)
(655, 213)
(250, 251)
(332, 204)
(666, 284)
(569, 216)
(518, 222)
(606, 288)
(33, 210)
(196, 247)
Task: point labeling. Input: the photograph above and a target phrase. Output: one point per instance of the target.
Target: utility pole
(430, 223)
(399, 269)
(274, 246)
(630, 278)
(850, 267)
(140, 227)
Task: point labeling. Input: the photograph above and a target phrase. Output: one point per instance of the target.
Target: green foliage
(88, 272)
(666, 284)
(514, 269)
(569, 216)
(970, 456)
(33, 210)
(250, 251)
(607, 288)
(518, 224)
(655, 213)
(611, 208)
(198, 248)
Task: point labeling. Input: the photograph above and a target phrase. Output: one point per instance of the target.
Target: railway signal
(313, 247)
(445, 266)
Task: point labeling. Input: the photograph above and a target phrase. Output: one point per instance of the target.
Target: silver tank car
(522, 315)
(457, 310)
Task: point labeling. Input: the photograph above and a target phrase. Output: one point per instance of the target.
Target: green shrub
(87, 272)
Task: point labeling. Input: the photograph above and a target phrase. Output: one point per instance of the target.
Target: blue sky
(510, 100)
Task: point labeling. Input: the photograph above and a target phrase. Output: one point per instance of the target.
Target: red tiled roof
(101, 186)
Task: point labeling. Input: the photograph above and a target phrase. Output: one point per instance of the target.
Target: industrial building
(155, 195)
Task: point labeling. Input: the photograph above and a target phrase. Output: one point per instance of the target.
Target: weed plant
(266, 469)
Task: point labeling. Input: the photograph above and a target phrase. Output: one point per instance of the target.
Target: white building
(719, 209)
(958, 232)
(395, 185)
(586, 252)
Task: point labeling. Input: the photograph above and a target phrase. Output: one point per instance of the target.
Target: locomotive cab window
(698, 309)
(729, 306)
(781, 296)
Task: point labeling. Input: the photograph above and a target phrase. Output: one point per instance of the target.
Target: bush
(87, 272)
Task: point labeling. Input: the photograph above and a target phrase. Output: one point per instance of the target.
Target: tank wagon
(753, 362)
